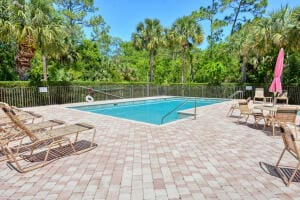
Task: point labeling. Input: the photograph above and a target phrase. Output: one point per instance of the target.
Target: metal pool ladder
(174, 109)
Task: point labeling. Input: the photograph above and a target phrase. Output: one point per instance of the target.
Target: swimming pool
(148, 111)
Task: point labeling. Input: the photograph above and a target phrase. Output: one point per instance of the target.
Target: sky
(123, 15)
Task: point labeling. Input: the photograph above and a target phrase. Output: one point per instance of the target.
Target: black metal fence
(37, 96)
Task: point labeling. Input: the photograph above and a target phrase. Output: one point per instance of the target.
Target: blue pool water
(149, 111)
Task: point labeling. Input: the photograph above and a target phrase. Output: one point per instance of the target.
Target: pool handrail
(238, 92)
(101, 92)
(184, 102)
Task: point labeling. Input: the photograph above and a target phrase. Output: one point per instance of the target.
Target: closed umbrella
(276, 83)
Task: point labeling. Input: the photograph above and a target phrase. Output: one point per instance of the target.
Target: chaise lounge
(49, 140)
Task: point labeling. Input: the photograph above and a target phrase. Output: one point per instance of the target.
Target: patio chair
(12, 134)
(290, 146)
(282, 97)
(235, 105)
(259, 95)
(282, 115)
(50, 139)
(23, 115)
(245, 111)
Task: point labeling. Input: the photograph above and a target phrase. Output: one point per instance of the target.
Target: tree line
(48, 40)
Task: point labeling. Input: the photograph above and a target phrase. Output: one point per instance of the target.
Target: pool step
(184, 114)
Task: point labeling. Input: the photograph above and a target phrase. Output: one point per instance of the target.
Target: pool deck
(211, 157)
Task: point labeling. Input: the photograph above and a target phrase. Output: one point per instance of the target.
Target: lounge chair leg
(273, 129)
(47, 154)
(280, 157)
(294, 173)
(94, 133)
(247, 119)
(72, 146)
(230, 112)
(12, 159)
(277, 167)
(76, 136)
(264, 123)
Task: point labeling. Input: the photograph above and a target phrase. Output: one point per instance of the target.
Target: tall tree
(294, 30)
(100, 34)
(186, 32)
(148, 36)
(77, 15)
(240, 10)
(215, 25)
(50, 32)
(242, 43)
(18, 25)
(284, 27)
(32, 26)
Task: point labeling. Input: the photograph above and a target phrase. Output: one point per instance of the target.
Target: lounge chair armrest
(57, 121)
(293, 128)
(85, 125)
(34, 114)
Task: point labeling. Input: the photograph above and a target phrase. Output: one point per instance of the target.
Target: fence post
(105, 91)
(22, 97)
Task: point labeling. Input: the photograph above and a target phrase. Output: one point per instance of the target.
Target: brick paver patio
(211, 157)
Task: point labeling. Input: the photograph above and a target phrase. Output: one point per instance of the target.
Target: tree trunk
(151, 65)
(244, 66)
(183, 63)
(45, 71)
(211, 21)
(24, 56)
(237, 12)
(191, 69)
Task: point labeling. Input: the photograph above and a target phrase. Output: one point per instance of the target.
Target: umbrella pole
(274, 95)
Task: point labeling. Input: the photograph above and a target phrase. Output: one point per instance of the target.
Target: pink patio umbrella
(276, 83)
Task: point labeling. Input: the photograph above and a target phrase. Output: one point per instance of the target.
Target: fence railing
(37, 96)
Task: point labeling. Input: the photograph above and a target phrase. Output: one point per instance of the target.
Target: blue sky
(123, 15)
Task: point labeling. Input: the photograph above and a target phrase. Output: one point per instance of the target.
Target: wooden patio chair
(290, 146)
(49, 140)
(245, 111)
(282, 115)
(282, 97)
(235, 105)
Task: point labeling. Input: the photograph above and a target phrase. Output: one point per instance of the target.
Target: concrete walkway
(211, 157)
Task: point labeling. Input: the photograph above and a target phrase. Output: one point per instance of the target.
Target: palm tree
(49, 32)
(242, 43)
(149, 36)
(17, 26)
(282, 27)
(294, 30)
(279, 30)
(186, 32)
(285, 28)
(31, 25)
